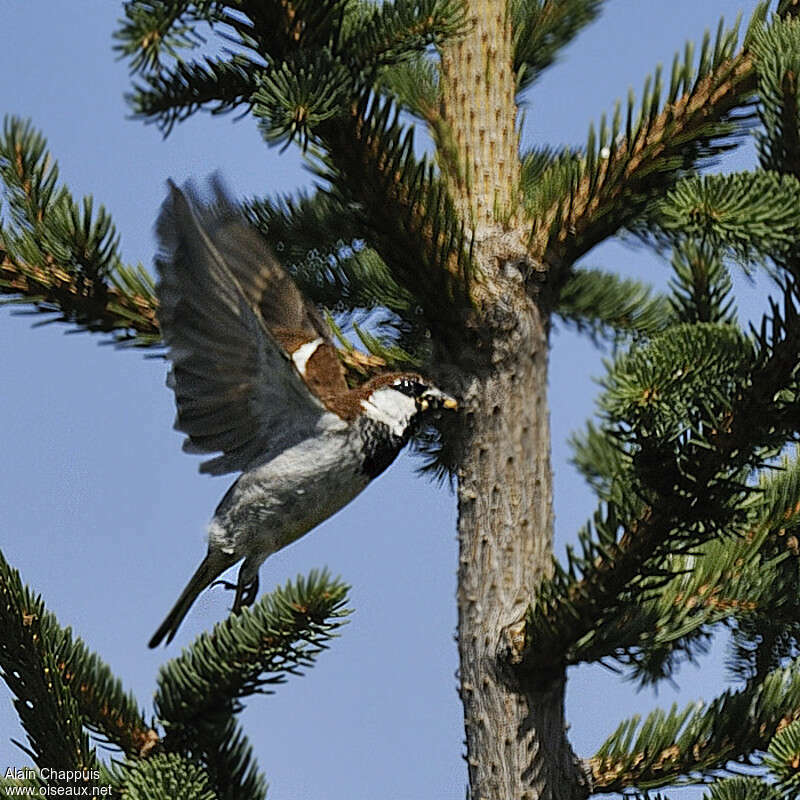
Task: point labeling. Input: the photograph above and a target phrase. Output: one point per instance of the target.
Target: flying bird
(258, 383)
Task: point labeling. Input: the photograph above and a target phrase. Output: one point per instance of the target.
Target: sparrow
(258, 383)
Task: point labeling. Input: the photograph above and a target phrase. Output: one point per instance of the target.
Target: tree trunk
(516, 734)
(478, 106)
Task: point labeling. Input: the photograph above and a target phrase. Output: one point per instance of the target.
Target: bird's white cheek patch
(390, 408)
(303, 353)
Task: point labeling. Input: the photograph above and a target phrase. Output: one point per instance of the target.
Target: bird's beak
(437, 399)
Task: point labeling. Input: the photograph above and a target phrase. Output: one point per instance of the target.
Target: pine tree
(468, 256)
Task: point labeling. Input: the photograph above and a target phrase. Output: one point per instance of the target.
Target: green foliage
(63, 256)
(153, 29)
(697, 526)
(166, 777)
(767, 637)
(605, 305)
(200, 692)
(314, 75)
(704, 735)
(44, 220)
(547, 175)
(701, 287)
(783, 759)
(293, 66)
(295, 97)
(747, 216)
(393, 33)
(280, 636)
(602, 460)
(198, 749)
(405, 208)
(578, 199)
(742, 788)
(174, 94)
(777, 53)
(414, 85)
(31, 653)
(688, 416)
(682, 380)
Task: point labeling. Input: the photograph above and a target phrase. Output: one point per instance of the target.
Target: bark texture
(515, 730)
(478, 105)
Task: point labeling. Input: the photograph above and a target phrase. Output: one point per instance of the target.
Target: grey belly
(278, 502)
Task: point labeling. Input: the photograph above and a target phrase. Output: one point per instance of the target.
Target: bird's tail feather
(213, 565)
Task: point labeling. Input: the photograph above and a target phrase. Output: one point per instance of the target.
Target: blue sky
(104, 515)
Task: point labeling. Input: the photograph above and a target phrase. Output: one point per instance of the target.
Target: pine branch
(391, 33)
(68, 685)
(783, 759)
(769, 636)
(544, 27)
(154, 32)
(750, 216)
(321, 243)
(609, 307)
(733, 580)
(105, 708)
(153, 29)
(61, 260)
(316, 88)
(743, 788)
(230, 762)
(217, 741)
(405, 208)
(777, 52)
(29, 666)
(603, 461)
(295, 64)
(414, 85)
(164, 777)
(200, 692)
(701, 286)
(62, 257)
(688, 492)
(281, 635)
(173, 95)
(698, 742)
(629, 163)
(263, 35)
(126, 309)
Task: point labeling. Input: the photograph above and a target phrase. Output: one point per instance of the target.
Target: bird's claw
(227, 584)
(245, 595)
(245, 592)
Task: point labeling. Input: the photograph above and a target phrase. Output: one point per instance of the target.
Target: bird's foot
(245, 594)
(226, 584)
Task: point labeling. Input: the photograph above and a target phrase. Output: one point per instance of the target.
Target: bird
(259, 384)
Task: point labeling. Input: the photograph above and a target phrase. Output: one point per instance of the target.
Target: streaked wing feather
(258, 272)
(236, 390)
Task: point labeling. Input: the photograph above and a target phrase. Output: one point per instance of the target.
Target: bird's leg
(246, 592)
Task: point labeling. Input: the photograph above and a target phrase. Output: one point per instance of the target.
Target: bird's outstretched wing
(232, 319)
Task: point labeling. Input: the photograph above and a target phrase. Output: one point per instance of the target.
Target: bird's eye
(410, 387)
